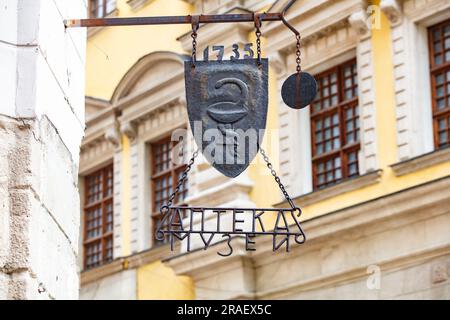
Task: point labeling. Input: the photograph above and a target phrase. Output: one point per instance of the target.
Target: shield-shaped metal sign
(227, 107)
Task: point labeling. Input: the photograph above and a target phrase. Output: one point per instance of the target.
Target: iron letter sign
(227, 102)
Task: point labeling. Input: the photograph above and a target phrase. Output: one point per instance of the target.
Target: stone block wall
(41, 127)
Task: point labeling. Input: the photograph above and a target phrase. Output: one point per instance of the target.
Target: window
(439, 44)
(335, 126)
(101, 8)
(98, 218)
(165, 176)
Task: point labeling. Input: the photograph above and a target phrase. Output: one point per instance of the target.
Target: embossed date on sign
(245, 52)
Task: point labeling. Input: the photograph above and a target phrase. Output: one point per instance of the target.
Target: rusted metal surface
(299, 90)
(136, 21)
(216, 18)
(227, 106)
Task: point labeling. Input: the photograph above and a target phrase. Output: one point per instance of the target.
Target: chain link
(258, 37)
(194, 46)
(184, 175)
(195, 27)
(181, 180)
(298, 53)
(277, 179)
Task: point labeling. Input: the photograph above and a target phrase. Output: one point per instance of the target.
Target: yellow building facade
(368, 161)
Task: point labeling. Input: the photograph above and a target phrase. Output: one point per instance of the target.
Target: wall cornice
(354, 274)
(95, 154)
(220, 7)
(388, 213)
(415, 199)
(138, 4)
(226, 35)
(314, 19)
(405, 207)
(125, 263)
(392, 9)
(418, 10)
(421, 162)
(150, 106)
(338, 189)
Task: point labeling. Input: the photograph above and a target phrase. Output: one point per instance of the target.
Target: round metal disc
(299, 90)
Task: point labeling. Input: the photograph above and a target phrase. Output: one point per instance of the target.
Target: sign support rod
(161, 20)
(217, 18)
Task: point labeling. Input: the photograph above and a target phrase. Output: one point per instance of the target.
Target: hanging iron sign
(229, 100)
(227, 104)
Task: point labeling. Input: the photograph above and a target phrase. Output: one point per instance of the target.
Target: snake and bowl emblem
(227, 107)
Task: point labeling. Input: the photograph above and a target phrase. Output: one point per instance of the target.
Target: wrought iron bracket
(189, 19)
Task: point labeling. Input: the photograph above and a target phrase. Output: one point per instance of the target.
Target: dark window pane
(165, 175)
(335, 132)
(98, 215)
(439, 56)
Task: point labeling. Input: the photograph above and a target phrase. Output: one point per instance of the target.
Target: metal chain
(195, 26)
(183, 177)
(298, 53)
(277, 179)
(194, 46)
(181, 180)
(258, 37)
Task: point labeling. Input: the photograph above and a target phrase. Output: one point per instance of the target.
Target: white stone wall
(41, 127)
(119, 286)
(412, 75)
(367, 155)
(117, 204)
(134, 199)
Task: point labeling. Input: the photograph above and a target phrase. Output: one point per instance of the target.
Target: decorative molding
(222, 6)
(338, 189)
(227, 35)
(129, 129)
(421, 162)
(354, 274)
(426, 12)
(135, 213)
(411, 209)
(413, 103)
(138, 4)
(332, 237)
(392, 9)
(371, 218)
(94, 107)
(123, 96)
(112, 134)
(142, 113)
(278, 63)
(125, 263)
(368, 155)
(358, 21)
(161, 121)
(95, 154)
(323, 50)
(117, 189)
(313, 18)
